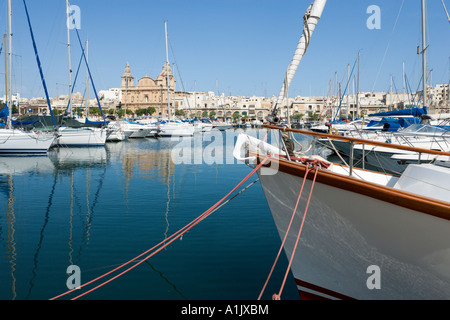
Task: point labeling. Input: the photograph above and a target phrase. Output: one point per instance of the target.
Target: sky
(240, 48)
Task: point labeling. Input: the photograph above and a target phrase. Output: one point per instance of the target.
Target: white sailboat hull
(13, 141)
(176, 130)
(223, 127)
(351, 227)
(116, 135)
(84, 136)
(139, 133)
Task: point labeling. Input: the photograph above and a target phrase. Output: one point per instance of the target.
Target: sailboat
(80, 135)
(355, 234)
(415, 131)
(15, 141)
(172, 128)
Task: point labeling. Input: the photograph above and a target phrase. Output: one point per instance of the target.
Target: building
(148, 92)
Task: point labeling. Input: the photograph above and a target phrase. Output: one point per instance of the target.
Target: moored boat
(357, 220)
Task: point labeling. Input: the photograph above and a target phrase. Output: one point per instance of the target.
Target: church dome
(146, 81)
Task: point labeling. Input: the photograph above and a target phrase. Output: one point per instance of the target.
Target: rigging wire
(387, 47)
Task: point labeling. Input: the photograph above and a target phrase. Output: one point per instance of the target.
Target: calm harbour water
(97, 208)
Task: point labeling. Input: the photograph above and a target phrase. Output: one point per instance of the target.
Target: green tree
(297, 116)
(179, 113)
(141, 112)
(120, 113)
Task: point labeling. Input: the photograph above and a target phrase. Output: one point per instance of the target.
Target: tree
(151, 110)
(120, 113)
(15, 109)
(141, 112)
(179, 113)
(297, 116)
(212, 115)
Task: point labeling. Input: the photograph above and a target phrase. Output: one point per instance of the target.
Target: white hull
(133, 130)
(176, 130)
(84, 136)
(359, 221)
(13, 141)
(116, 135)
(223, 127)
(117, 132)
(139, 133)
(345, 232)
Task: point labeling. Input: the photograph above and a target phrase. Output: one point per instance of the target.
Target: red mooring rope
(314, 164)
(163, 243)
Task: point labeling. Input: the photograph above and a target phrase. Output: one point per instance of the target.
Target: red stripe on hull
(311, 296)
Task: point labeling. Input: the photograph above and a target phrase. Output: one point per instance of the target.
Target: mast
(9, 52)
(404, 86)
(88, 80)
(357, 88)
(348, 93)
(70, 64)
(195, 97)
(126, 90)
(310, 20)
(167, 74)
(424, 55)
(6, 67)
(390, 104)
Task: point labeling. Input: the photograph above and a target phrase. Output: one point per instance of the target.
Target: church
(148, 92)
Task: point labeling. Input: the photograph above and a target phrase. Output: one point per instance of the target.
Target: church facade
(148, 92)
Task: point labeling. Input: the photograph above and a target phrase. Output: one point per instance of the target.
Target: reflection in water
(11, 219)
(41, 238)
(25, 165)
(166, 280)
(66, 158)
(95, 207)
(69, 181)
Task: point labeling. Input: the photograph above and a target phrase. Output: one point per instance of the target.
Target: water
(97, 208)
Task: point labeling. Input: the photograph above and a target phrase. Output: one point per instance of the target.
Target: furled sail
(310, 20)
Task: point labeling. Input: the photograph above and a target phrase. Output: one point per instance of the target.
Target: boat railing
(353, 141)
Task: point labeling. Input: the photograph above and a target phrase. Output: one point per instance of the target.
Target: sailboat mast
(424, 54)
(88, 80)
(6, 63)
(167, 74)
(357, 88)
(195, 97)
(70, 64)
(311, 19)
(9, 92)
(404, 85)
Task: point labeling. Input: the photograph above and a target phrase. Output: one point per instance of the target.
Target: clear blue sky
(244, 45)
